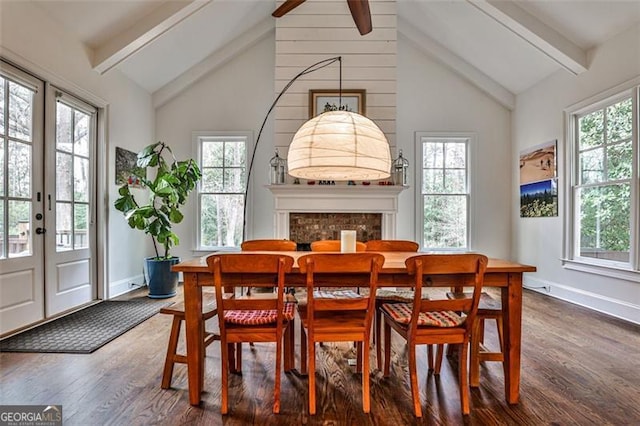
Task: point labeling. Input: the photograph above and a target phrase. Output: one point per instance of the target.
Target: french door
(47, 193)
(69, 203)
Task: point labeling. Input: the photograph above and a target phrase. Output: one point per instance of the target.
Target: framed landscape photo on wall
(538, 163)
(323, 100)
(539, 181)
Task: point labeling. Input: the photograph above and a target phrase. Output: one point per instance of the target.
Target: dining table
(504, 274)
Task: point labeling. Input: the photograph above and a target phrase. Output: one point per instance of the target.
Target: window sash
(219, 192)
(434, 179)
(575, 248)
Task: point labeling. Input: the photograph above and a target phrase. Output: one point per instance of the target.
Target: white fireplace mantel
(335, 199)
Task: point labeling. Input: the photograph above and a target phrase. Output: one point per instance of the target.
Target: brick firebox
(308, 227)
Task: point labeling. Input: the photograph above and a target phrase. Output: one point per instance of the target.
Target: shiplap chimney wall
(320, 29)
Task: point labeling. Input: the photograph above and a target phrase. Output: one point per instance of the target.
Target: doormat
(84, 331)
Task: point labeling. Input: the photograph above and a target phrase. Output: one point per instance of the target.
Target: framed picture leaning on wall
(323, 100)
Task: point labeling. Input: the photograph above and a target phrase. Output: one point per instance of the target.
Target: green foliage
(544, 204)
(606, 166)
(168, 191)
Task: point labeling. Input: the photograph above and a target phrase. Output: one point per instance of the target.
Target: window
(444, 199)
(604, 182)
(222, 158)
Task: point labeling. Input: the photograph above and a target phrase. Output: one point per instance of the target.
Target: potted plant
(168, 191)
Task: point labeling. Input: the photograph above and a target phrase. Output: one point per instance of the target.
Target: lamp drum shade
(339, 145)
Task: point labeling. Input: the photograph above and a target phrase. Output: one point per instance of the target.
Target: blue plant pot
(162, 281)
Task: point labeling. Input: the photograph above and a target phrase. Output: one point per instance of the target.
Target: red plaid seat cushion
(401, 313)
(259, 317)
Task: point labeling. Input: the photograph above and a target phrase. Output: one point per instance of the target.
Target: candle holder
(400, 167)
(278, 169)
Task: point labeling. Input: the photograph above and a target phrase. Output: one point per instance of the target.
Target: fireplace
(321, 212)
(307, 227)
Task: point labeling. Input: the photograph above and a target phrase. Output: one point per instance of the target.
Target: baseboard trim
(606, 305)
(125, 286)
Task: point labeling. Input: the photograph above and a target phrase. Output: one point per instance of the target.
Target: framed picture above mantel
(323, 100)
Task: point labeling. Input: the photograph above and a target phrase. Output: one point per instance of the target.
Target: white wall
(32, 40)
(368, 62)
(234, 97)
(433, 98)
(539, 118)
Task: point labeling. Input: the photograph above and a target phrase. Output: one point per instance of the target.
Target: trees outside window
(604, 176)
(16, 147)
(222, 159)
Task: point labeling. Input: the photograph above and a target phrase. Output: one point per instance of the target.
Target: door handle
(40, 231)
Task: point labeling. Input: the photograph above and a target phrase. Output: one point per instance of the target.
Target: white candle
(348, 241)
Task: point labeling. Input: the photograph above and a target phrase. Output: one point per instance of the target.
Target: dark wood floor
(578, 368)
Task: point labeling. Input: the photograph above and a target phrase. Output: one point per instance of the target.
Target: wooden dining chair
(334, 245)
(435, 322)
(251, 319)
(332, 317)
(268, 245)
(384, 295)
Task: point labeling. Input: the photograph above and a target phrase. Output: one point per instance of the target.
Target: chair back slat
(254, 265)
(268, 245)
(458, 266)
(340, 263)
(435, 264)
(334, 245)
(392, 245)
(459, 305)
(250, 304)
(360, 304)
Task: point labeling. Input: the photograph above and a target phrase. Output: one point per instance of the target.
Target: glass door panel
(16, 176)
(73, 178)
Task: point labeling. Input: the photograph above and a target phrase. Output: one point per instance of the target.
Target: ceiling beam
(457, 64)
(152, 26)
(550, 42)
(214, 61)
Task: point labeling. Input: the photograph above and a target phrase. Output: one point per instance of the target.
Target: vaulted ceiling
(504, 47)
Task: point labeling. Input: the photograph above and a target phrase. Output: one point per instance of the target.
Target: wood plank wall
(321, 29)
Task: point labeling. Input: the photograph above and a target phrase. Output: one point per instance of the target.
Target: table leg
(194, 331)
(512, 311)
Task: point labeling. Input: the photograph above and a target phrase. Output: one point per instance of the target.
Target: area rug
(84, 331)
